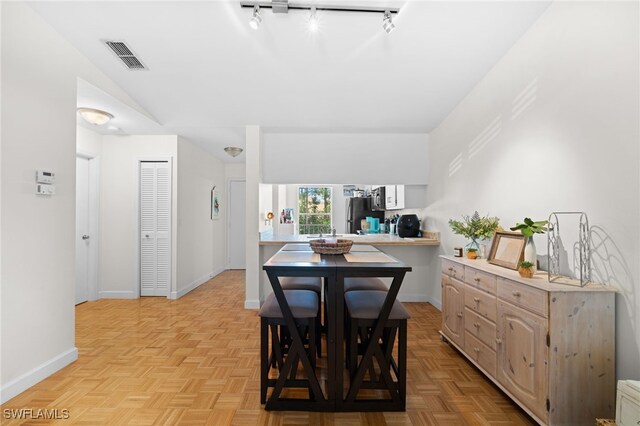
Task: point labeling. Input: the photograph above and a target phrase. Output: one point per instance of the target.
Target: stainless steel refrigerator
(357, 209)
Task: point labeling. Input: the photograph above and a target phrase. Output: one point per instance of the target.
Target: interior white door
(83, 239)
(237, 221)
(155, 228)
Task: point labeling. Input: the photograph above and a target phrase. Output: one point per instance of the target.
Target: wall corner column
(253, 178)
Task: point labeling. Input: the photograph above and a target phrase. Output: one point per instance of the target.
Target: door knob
(146, 235)
(85, 237)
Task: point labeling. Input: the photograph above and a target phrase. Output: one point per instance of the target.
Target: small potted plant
(475, 228)
(528, 229)
(472, 253)
(525, 269)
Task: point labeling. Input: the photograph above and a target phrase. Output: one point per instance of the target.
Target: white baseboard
(252, 304)
(116, 294)
(197, 283)
(436, 303)
(413, 298)
(419, 298)
(41, 372)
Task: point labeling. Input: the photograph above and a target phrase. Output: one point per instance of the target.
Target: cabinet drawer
(480, 328)
(483, 304)
(480, 353)
(452, 269)
(526, 297)
(481, 280)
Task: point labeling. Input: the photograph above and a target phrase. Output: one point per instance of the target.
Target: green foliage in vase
(530, 227)
(472, 249)
(526, 265)
(475, 227)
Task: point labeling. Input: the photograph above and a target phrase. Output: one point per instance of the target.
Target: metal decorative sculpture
(583, 257)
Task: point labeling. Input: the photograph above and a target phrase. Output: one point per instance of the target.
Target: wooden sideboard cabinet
(549, 347)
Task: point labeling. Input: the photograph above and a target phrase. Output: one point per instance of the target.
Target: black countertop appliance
(408, 226)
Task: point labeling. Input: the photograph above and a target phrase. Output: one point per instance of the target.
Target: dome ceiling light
(233, 151)
(95, 116)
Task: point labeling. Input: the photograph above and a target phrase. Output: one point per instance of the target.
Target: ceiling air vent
(125, 54)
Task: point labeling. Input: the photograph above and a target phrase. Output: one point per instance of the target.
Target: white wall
(234, 170)
(39, 72)
(335, 158)
(201, 246)
(119, 210)
(554, 127)
(88, 142)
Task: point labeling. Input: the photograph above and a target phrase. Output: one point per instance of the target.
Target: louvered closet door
(155, 228)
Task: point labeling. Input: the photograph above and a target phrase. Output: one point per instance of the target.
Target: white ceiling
(210, 74)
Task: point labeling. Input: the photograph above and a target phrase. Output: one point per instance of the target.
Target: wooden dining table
(362, 261)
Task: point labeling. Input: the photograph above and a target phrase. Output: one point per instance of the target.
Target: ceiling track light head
(387, 23)
(256, 19)
(314, 25)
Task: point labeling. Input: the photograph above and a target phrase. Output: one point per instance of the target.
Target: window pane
(314, 206)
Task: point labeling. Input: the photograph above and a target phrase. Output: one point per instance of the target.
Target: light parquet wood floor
(195, 361)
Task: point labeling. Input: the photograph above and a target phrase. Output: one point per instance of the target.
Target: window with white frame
(314, 209)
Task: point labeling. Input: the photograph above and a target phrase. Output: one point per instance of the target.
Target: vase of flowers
(528, 228)
(475, 227)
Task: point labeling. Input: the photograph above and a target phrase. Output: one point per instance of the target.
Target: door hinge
(548, 340)
(548, 404)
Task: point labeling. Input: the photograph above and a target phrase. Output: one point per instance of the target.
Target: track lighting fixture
(256, 19)
(283, 6)
(313, 20)
(387, 24)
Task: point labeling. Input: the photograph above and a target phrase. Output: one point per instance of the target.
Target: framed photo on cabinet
(507, 249)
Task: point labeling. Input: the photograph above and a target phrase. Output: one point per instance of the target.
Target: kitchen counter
(429, 239)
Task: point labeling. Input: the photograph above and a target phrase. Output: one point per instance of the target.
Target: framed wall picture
(507, 249)
(215, 204)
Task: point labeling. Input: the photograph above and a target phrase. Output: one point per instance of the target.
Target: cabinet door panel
(453, 310)
(522, 356)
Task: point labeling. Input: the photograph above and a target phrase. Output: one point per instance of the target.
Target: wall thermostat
(45, 177)
(44, 189)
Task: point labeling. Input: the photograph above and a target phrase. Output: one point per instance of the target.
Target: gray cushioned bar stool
(304, 307)
(364, 308)
(364, 283)
(307, 283)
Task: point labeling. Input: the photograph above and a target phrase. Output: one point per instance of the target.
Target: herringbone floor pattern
(195, 361)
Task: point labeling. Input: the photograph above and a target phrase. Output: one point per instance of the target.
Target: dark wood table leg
(339, 333)
(296, 351)
(373, 349)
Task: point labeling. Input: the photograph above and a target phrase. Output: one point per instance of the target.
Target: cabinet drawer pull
(450, 269)
(459, 314)
(477, 280)
(515, 293)
(499, 341)
(476, 299)
(476, 325)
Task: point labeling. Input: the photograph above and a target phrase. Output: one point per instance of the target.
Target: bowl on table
(331, 246)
